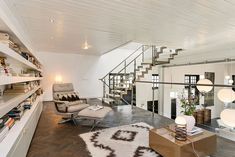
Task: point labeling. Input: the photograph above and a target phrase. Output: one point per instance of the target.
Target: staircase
(119, 83)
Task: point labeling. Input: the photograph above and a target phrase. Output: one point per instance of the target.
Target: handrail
(104, 82)
(187, 84)
(134, 59)
(123, 61)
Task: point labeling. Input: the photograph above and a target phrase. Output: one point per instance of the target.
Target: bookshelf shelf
(10, 101)
(4, 80)
(23, 127)
(7, 52)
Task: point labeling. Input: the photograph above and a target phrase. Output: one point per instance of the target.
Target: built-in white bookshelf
(17, 140)
(10, 145)
(9, 101)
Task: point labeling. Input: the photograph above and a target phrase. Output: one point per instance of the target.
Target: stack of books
(17, 112)
(195, 131)
(27, 104)
(18, 88)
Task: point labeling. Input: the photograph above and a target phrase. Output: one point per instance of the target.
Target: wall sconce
(58, 79)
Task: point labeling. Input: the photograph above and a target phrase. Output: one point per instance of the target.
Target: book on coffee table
(95, 107)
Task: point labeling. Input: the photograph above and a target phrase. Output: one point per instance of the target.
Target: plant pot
(200, 116)
(190, 120)
(207, 116)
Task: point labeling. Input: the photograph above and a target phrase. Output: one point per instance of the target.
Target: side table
(163, 141)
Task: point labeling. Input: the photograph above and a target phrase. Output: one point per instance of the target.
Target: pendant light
(204, 89)
(203, 81)
(226, 95)
(228, 118)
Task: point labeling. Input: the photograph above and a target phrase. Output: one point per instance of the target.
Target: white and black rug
(124, 141)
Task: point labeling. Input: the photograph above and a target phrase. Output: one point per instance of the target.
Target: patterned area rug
(124, 141)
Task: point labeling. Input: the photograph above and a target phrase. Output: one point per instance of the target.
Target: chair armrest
(61, 102)
(61, 106)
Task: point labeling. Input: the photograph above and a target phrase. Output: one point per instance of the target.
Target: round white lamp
(228, 118)
(180, 128)
(180, 120)
(230, 81)
(58, 79)
(226, 95)
(204, 89)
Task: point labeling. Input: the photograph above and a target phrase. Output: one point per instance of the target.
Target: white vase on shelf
(190, 120)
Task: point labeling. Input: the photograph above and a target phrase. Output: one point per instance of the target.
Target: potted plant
(188, 104)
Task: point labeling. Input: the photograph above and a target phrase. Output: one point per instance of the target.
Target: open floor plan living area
(117, 78)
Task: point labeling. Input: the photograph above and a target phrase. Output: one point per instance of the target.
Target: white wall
(82, 70)
(144, 90)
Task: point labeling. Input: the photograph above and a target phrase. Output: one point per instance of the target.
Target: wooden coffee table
(163, 141)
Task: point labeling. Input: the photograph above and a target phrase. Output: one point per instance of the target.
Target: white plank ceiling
(198, 26)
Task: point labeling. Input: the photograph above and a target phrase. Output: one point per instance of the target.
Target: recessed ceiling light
(86, 46)
(52, 20)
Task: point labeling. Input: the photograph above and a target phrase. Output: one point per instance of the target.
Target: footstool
(97, 116)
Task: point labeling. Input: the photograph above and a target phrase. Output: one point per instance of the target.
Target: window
(191, 90)
(155, 78)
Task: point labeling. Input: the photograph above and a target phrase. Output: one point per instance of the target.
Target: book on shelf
(21, 86)
(16, 112)
(16, 116)
(10, 122)
(3, 120)
(27, 106)
(16, 91)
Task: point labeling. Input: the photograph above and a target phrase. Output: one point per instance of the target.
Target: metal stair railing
(154, 55)
(103, 79)
(116, 67)
(124, 69)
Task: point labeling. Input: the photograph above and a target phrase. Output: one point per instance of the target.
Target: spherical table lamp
(226, 95)
(228, 118)
(180, 129)
(204, 89)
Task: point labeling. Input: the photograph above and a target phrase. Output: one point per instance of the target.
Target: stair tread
(114, 95)
(143, 63)
(108, 99)
(118, 91)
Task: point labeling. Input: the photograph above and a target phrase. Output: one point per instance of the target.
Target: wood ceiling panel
(189, 24)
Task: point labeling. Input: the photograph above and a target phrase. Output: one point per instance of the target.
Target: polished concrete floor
(54, 140)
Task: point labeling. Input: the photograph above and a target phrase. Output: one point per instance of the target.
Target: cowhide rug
(124, 141)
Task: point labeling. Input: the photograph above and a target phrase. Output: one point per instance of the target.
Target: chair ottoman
(97, 116)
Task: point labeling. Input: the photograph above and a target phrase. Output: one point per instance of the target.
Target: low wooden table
(163, 141)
